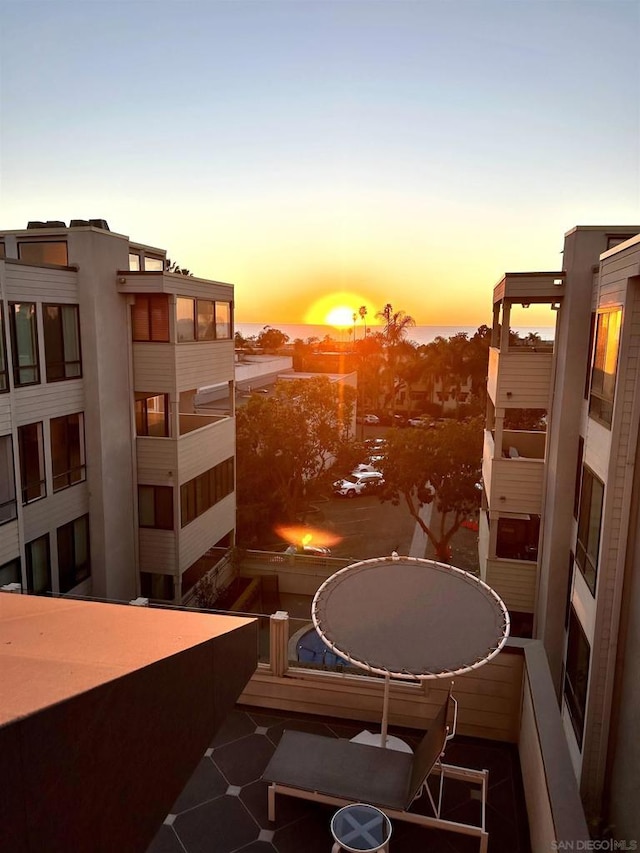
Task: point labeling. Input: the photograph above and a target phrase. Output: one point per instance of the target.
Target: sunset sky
(327, 154)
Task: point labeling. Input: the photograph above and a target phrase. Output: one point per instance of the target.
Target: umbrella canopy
(410, 618)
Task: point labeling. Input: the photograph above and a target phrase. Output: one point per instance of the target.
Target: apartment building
(112, 482)
(559, 527)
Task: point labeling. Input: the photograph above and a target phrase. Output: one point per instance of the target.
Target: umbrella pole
(385, 711)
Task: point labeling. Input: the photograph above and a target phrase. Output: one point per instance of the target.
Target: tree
(271, 340)
(284, 445)
(441, 466)
(362, 311)
(396, 325)
(172, 266)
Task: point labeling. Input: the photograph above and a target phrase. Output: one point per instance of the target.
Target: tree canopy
(441, 466)
(271, 340)
(285, 443)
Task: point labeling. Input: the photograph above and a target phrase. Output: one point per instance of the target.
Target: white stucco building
(112, 483)
(559, 534)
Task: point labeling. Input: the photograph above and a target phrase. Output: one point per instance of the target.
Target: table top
(360, 827)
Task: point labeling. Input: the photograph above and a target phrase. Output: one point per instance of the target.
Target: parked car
(422, 421)
(364, 466)
(358, 484)
(371, 419)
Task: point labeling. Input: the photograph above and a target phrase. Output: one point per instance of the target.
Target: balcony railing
(520, 378)
(513, 484)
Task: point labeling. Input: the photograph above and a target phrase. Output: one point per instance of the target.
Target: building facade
(113, 483)
(559, 527)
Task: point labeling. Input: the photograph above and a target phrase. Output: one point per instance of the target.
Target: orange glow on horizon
(337, 309)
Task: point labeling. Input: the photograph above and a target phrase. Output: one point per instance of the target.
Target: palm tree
(362, 311)
(396, 325)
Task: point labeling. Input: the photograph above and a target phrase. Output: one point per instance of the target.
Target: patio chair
(337, 771)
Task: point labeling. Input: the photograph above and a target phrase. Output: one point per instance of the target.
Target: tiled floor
(223, 808)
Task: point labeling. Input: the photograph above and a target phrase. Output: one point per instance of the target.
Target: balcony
(514, 484)
(530, 287)
(520, 378)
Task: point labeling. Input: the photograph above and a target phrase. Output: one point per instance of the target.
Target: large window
(205, 490)
(605, 362)
(517, 538)
(8, 509)
(150, 318)
(203, 319)
(67, 451)
(10, 572)
(24, 343)
(32, 475)
(38, 565)
(152, 414)
(576, 676)
(589, 521)
(61, 341)
(155, 507)
(4, 373)
(74, 563)
(44, 252)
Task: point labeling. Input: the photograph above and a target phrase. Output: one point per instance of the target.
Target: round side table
(359, 828)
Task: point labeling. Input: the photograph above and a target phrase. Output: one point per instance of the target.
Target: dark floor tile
(311, 834)
(288, 809)
(244, 760)
(498, 760)
(206, 783)
(220, 826)
(314, 727)
(258, 847)
(166, 841)
(265, 719)
(236, 725)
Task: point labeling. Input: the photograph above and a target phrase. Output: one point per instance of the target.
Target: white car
(371, 419)
(358, 483)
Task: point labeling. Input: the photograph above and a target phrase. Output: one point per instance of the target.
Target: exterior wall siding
(515, 484)
(515, 583)
(48, 400)
(9, 542)
(51, 512)
(203, 533)
(157, 461)
(154, 369)
(203, 363)
(38, 284)
(524, 380)
(202, 449)
(157, 551)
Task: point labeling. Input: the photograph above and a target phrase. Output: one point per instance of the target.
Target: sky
(327, 155)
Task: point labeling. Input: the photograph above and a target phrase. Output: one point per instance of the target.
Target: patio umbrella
(409, 618)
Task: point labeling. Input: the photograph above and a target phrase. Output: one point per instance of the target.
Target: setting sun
(337, 309)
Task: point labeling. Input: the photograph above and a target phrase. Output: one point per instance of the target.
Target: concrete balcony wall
(157, 551)
(154, 368)
(483, 544)
(511, 485)
(203, 363)
(528, 443)
(202, 449)
(203, 532)
(157, 460)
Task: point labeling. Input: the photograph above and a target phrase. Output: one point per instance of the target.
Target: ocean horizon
(418, 334)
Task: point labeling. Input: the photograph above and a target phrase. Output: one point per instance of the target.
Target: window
(153, 264)
(10, 572)
(205, 326)
(38, 565)
(31, 450)
(152, 414)
(2, 252)
(67, 451)
(156, 586)
(150, 318)
(44, 252)
(223, 321)
(517, 538)
(155, 507)
(4, 373)
(7, 481)
(61, 341)
(576, 493)
(24, 343)
(134, 262)
(185, 313)
(205, 490)
(576, 676)
(74, 563)
(589, 520)
(605, 359)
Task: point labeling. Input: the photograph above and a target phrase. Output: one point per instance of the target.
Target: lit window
(61, 342)
(134, 262)
(44, 252)
(576, 678)
(223, 320)
(152, 415)
(67, 451)
(150, 318)
(155, 507)
(74, 563)
(8, 509)
(185, 313)
(32, 476)
(24, 343)
(38, 565)
(153, 264)
(589, 521)
(605, 360)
